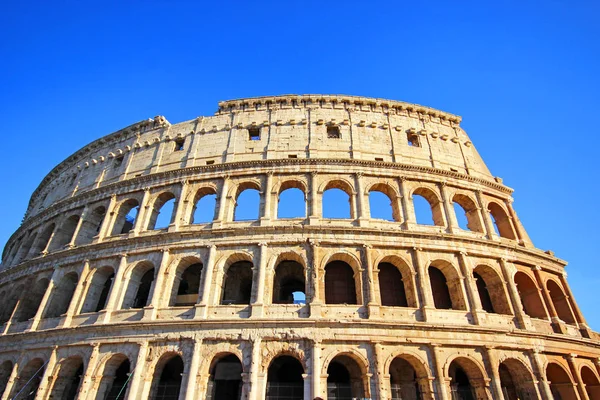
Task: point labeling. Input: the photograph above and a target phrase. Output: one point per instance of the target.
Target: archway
(237, 287)
(466, 380)
(340, 287)
(61, 296)
(391, 286)
(284, 379)
(561, 303)
(491, 290)
(502, 223)
(115, 378)
(29, 304)
(289, 282)
(29, 380)
(590, 380)
(439, 288)
(137, 294)
(5, 370)
(98, 290)
(516, 381)
(68, 379)
(126, 217)
(167, 378)
(403, 381)
(560, 383)
(225, 381)
(162, 214)
(186, 287)
(530, 296)
(345, 379)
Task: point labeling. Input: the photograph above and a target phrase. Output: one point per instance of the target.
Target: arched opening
(439, 288)
(61, 296)
(43, 240)
(467, 213)
(167, 378)
(291, 204)
(427, 206)
(205, 205)
(345, 380)
(284, 379)
(491, 290)
(126, 217)
(5, 370)
(560, 383)
(225, 381)
(115, 378)
(530, 296)
(90, 226)
(98, 290)
(25, 248)
(187, 285)
(337, 201)
(162, 213)
(561, 303)
(64, 234)
(516, 381)
(289, 283)
(589, 378)
(502, 223)
(391, 286)
(380, 206)
(140, 284)
(29, 379)
(237, 288)
(340, 287)
(31, 302)
(403, 381)
(9, 303)
(247, 205)
(68, 379)
(460, 385)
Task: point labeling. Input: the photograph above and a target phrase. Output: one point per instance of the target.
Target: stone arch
(435, 204)
(471, 211)
(490, 287)
(467, 378)
(100, 282)
(589, 379)
(278, 349)
(114, 373)
(343, 283)
(408, 275)
(186, 282)
(69, 373)
(561, 383)
(446, 285)
(29, 377)
(43, 239)
(236, 287)
(200, 198)
(516, 380)
(11, 300)
(408, 377)
(158, 204)
(529, 293)
(392, 194)
(25, 248)
(63, 235)
(90, 226)
(140, 280)
(290, 185)
(128, 211)
(29, 304)
(560, 302)
(347, 374)
(61, 296)
(225, 379)
(501, 220)
(289, 277)
(238, 190)
(285, 378)
(392, 288)
(5, 371)
(167, 376)
(343, 185)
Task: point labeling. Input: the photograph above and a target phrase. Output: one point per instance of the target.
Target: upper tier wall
(290, 127)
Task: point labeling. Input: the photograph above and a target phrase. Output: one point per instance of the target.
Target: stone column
(423, 289)
(189, 391)
(306, 386)
(548, 300)
(48, 378)
(107, 222)
(77, 299)
(115, 291)
(257, 306)
(83, 215)
(314, 212)
(383, 381)
(522, 236)
(181, 208)
(222, 202)
(494, 366)
(265, 217)
(87, 381)
(471, 287)
(487, 219)
(140, 220)
(316, 301)
(442, 381)
(202, 308)
(575, 372)
(543, 384)
(407, 209)
(139, 370)
(451, 221)
(373, 301)
(583, 326)
(363, 211)
(56, 275)
(254, 370)
(513, 294)
(316, 371)
(156, 289)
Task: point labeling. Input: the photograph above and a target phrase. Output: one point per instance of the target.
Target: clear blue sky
(523, 76)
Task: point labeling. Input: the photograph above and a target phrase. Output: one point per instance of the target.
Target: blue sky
(524, 76)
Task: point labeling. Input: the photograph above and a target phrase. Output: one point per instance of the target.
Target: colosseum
(101, 301)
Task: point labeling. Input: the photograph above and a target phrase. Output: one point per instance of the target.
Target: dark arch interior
(340, 287)
(5, 371)
(530, 296)
(225, 379)
(189, 286)
(238, 283)
(344, 379)
(439, 288)
(460, 385)
(391, 286)
(29, 379)
(169, 384)
(120, 382)
(72, 384)
(484, 294)
(403, 381)
(289, 279)
(284, 379)
(103, 297)
(143, 292)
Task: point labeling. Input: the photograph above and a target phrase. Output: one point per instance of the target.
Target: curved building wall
(394, 308)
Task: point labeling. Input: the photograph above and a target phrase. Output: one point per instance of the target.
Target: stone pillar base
(200, 311)
(257, 310)
(315, 310)
(373, 310)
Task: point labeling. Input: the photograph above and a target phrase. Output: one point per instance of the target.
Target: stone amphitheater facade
(97, 303)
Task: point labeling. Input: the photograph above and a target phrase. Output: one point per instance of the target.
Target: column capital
(537, 268)
(367, 246)
(314, 242)
(417, 248)
(165, 250)
(262, 244)
(210, 246)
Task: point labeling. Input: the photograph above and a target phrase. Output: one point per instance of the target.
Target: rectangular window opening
(118, 161)
(210, 162)
(413, 140)
(378, 159)
(254, 133)
(292, 156)
(333, 132)
(179, 144)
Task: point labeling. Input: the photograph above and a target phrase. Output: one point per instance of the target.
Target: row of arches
(337, 199)
(347, 376)
(234, 282)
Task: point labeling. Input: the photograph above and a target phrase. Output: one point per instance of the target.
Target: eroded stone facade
(96, 305)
